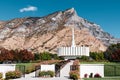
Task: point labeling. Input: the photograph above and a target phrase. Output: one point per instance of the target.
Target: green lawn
(111, 70)
(25, 67)
(94, 62)
(102, 79)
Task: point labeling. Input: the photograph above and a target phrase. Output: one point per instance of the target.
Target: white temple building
(73, 51)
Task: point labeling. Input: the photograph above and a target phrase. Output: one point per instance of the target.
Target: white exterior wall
(63, 50)
(48, 67)
(69, 51)
(73, 51)
(87, 51)
(80, 50)
(6, 67)
(91, 68)
(76, 52)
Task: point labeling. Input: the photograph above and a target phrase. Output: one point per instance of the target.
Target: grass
(95, 62)
(25, 67)
(110, 78)
(112, 70)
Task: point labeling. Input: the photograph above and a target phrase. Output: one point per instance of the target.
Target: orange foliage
(15, 55)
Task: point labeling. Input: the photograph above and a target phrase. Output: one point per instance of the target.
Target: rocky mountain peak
(52, 31)
(70, 11)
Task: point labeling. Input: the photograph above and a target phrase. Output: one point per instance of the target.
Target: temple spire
(73, 39)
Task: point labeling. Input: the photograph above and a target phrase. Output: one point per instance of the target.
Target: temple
(73, 52)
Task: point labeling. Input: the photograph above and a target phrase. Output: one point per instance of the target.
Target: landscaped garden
(110, 59)
(111, 71)
(26, 62)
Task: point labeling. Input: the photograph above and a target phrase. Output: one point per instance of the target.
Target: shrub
(45, 56)
(1, 75)
(51, 73)
(54, 56)
(83, 58)
(74, 75)
(85, 75)
(97, 56)
(91, 75)
(46, 73)
(61, 58)
(97, 75)
(42, 73)
(13, 74)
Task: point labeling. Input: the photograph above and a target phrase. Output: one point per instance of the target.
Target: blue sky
(105, 13)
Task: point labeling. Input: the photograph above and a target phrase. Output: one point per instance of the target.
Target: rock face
(52, 31)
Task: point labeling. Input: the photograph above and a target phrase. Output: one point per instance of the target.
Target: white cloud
(29, 8)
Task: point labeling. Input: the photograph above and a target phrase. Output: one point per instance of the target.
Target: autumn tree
(25, 55)
(6, 55)
(16, 55)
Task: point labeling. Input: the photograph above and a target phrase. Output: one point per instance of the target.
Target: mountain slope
(52, 31)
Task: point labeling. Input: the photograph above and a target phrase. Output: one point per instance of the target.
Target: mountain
(52, 31)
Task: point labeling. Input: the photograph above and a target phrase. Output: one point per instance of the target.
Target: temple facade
(73, 51)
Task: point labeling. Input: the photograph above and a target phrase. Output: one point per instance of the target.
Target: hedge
(13, 74)
(74, 75)
(97, 75)
(1, 75)
(46, 74)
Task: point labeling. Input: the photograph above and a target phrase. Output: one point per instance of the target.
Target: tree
(36, 56)
(6, 55)
(15, 55)
(97, 56)
(45, 56)
(113, 52)
(25, 55)
(115, 56)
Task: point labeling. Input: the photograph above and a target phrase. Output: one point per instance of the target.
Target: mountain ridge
(52, 31)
